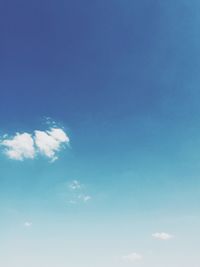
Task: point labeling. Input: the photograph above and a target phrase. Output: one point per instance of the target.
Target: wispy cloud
(85, 198)
(75, 185)
(78, 192)
(162, 236)
(28, 224)
(132, 257)
(27, 146)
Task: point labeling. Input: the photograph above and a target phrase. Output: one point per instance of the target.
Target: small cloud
(75, 185)
(85, 198)
(162, 236)
(132, 257)
(50, 121)
(27, 146)
(28, 224)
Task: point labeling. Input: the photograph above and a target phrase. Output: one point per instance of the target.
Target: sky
(99, 133)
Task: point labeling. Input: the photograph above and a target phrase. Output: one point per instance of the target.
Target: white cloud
(28, 224)
(20, 147)
(28, 146)
(50, 142)
(132, 257)
(74, 185)
(162, 236)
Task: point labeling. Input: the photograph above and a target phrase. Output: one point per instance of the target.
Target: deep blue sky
(113, 59)
(122, 78)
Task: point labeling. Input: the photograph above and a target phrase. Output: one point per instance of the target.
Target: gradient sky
(121, 79)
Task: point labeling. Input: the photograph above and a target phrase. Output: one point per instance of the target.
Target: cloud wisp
(28, 224)
(28, 146)
(132, 257)
(162, 236)
(77, 193)
(75, 185)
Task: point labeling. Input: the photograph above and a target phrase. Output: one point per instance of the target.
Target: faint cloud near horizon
(162, 236)
(132, 257)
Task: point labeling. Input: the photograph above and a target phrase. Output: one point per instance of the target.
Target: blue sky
(99, 132)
